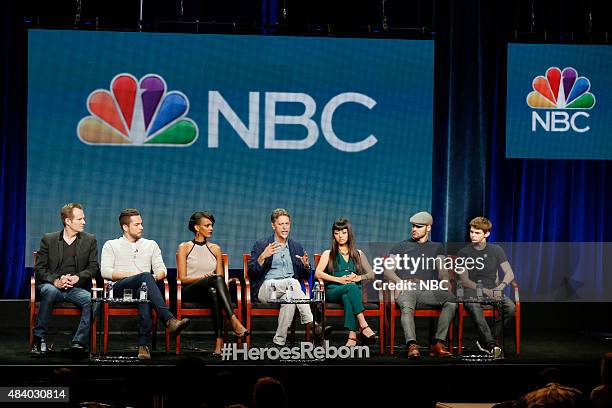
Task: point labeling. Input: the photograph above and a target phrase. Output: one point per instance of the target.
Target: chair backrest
(246, 258)
(225, 260)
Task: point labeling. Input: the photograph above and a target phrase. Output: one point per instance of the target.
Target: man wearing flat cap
(419, 259)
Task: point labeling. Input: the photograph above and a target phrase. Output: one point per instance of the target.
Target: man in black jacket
(65, 264)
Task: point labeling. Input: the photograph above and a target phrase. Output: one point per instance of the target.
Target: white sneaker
(495, 351)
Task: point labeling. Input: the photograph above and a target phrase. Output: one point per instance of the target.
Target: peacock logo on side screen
(557, 92)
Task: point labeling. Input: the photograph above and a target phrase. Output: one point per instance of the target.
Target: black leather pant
(213, 291)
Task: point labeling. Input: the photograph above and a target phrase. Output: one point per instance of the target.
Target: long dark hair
(339, 225)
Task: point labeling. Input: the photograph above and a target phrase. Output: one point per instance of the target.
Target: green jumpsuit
(348, 294)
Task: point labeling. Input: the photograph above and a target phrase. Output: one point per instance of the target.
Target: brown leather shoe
(176, 325)
(413, 352)
(144, 353)
(439, 349)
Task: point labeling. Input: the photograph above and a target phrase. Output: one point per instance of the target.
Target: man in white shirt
(131, 261)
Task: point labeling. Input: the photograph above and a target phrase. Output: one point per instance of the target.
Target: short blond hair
(67, 211)
(279, 212)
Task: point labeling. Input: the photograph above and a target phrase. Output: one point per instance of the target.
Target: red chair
(59, 309)
(261, 309)
(198, 309)
(372, 309)
(489, 311)
(131, 310)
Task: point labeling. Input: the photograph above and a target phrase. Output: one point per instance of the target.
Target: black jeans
(213, 291)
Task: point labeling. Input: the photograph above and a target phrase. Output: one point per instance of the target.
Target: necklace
(344, 253)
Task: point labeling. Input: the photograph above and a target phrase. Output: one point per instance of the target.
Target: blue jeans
(144, 309)
(49, 295)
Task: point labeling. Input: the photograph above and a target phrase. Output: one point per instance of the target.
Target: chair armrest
(322, 284)
(381, 297)
(515, 286)
(391, 295)
(167, 291)
(236, 282)
(179, 293)
(32, 291)
(247, 290)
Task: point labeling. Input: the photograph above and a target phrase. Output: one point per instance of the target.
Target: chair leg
(238, 314)
(177, 342)
(392, 335)
(450, 337)
(167, 340)
(518, 334)
(32, 316)
(381, 331)
(460, 332)
(248, 326)
(93, 335)
(154, 334)
(105, 333)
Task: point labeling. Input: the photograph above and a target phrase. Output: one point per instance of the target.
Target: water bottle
(316, 292)
(459, 289)
(110, 289)
(143, 292)
(288, 293)
(479, 295)
(272, 291)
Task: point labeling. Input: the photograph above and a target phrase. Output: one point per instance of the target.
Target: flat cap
(422, 218)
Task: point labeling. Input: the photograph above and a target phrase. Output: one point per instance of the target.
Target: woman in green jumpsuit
(343, 268)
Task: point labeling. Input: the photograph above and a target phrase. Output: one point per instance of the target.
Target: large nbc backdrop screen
(559, 101)
(237, 125)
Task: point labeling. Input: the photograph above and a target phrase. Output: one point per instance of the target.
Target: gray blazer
(49, 258)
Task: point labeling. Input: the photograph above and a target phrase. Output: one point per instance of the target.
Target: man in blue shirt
(278, 264)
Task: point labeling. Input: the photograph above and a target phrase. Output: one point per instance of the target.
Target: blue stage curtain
(13, 279)
(526, 199)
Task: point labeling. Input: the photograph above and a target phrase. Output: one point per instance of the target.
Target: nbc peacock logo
(556, 93)
(561, 90)
(137, 113)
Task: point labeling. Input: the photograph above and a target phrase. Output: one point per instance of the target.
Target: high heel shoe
(242, 335)
(352, 339)
(367, 339)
